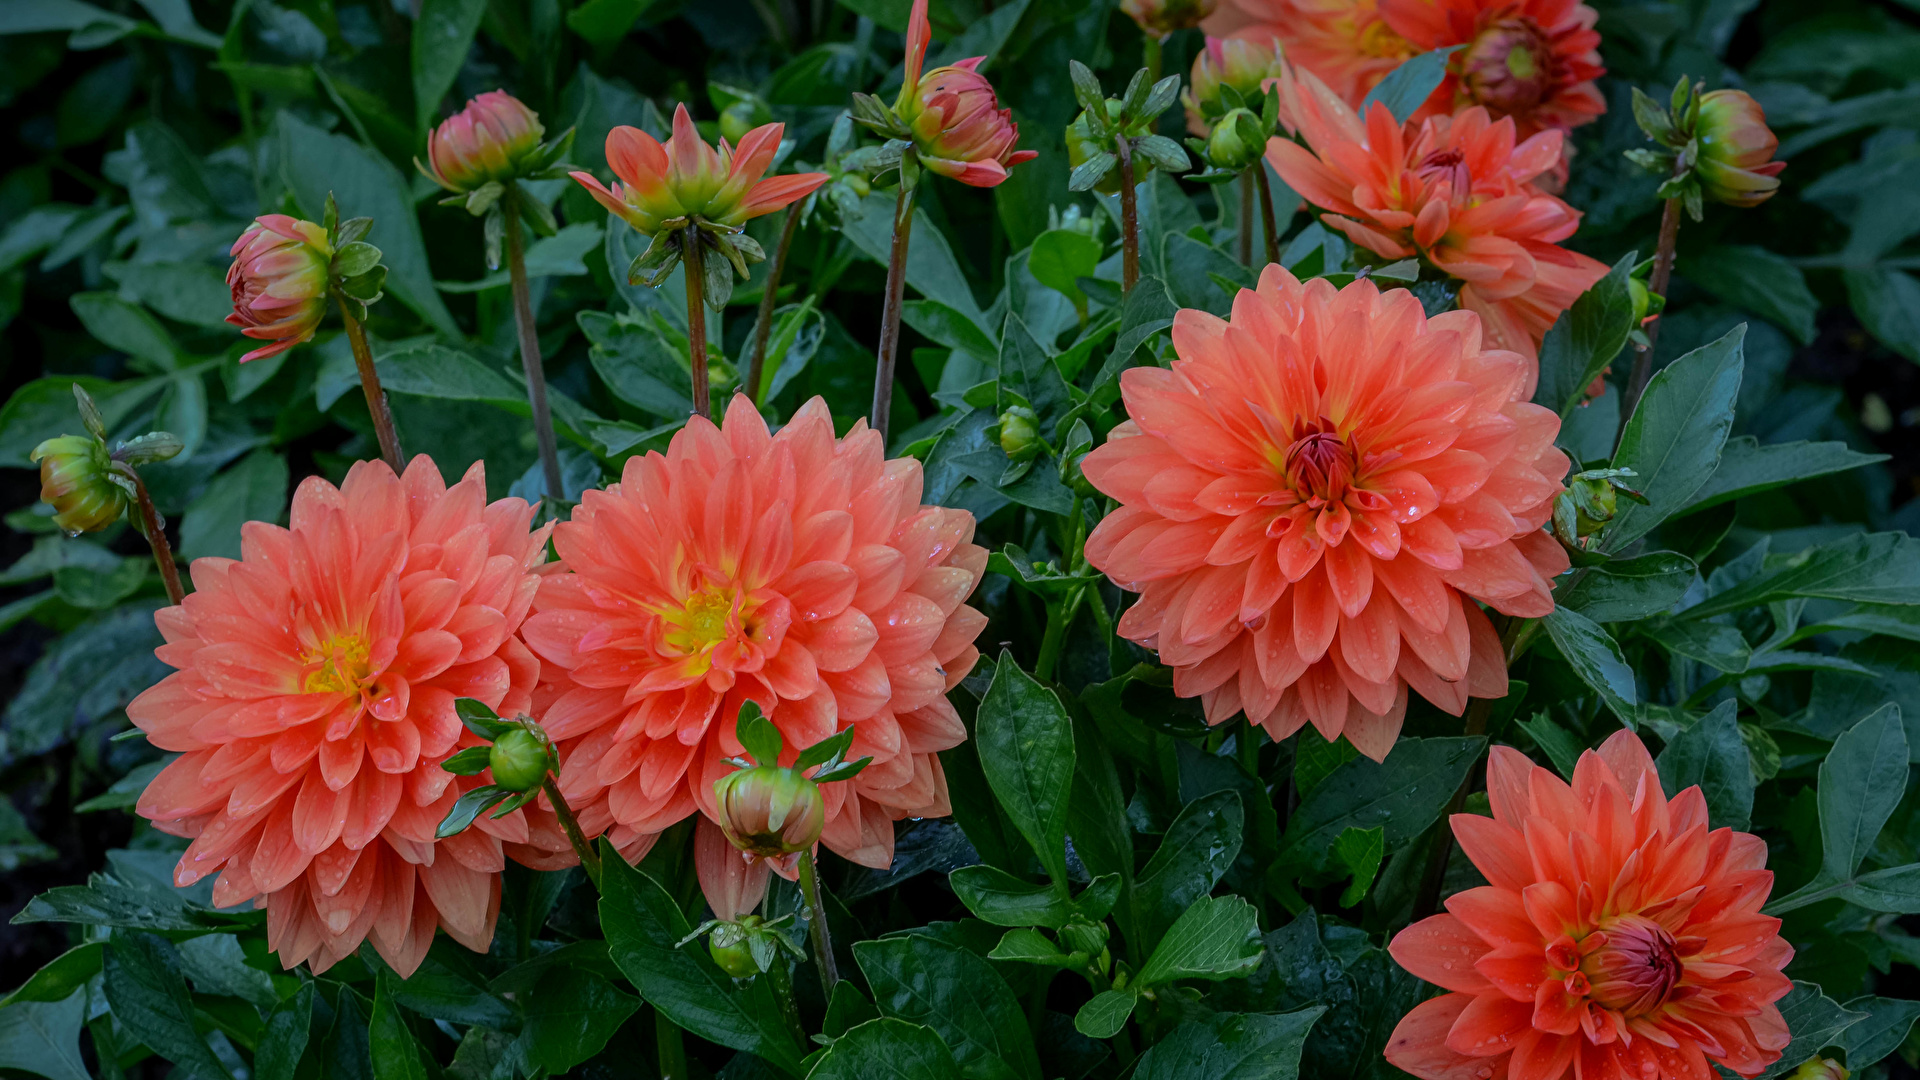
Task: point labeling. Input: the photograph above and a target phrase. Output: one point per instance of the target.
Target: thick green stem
(383, 428)
(879, 416)
(1266, 212)
(763, 329)
(589, 858)
(817, 925)
(783, 990)
(696, 271)
(1246, 218)
(530, 361)
(1150, 49)
(1129, 217)
(673, 1051)
(156, 531)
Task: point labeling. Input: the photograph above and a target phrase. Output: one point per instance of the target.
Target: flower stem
(157, 539)
(764, 328)
(1246, 219)
(1150, 51)
(1129, 217)
(530, 361)
(1656, 284)
(696, 271)
(817, 924)
(882, 410)
(589, 858)
(1266, 212)
(673, 1051)
(783, 990)
(370, 383)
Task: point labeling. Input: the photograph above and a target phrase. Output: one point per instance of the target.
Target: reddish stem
(383, 428)
(881, 412)
(696, 271)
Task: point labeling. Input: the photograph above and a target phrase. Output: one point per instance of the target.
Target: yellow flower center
(709, 617)
(338, 666)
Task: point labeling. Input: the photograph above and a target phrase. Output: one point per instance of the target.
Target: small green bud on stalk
(520, 760)
(1237, 142)
(1019, 432)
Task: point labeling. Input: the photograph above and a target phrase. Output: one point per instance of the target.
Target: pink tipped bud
(1736, 163)
(770, 812)
(1158, 18)
(959, 128)
(279, 282)
(1243, 64)
(491, 139)
(74, 480)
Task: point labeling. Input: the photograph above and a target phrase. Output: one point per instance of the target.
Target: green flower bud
(1817, 1068)
(1019, 432)
(1081, 147)
(520, 760)
(1237, 141)
(730, 945)
(1084, 937)
(76, 480)
(1642, 299)
(770, 811)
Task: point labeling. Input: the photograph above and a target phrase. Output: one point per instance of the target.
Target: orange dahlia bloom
(1313, 497)
(1455, 190)
(1532, 60)
(794, 570)
(1346, 43)
(314, 703)
(1619, 936)
(666, 184)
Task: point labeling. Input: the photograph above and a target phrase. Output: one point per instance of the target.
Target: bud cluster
(517, 752)
(1712, 145)
(1108, 127)
(88, 485)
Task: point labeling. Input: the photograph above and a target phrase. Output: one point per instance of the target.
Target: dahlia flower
(76, 479)
(667, 184)
(1532, 60)
(794, 570)
(279, 282)
(1456, 191)
(314, 702)
(492, 139)
(1620, 936)
(959, 129)
(1314, 496)
(1346, 43)
(1736, 163)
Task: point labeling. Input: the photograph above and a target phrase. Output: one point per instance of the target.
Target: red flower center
(1510, 67)
(1636, 967)
(1320, 464)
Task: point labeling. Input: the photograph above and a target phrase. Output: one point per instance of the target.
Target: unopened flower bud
(519, 760)
(1019, 431)
(489, 140)
(1237, 141)
(769, 811)
(1509, 67)
(1159, 18)
(1243, 64)
(1082, 936)
(741, 117)
(1642, 299)
(1081, 147)
(730, 945)
(1818, 1068)
(1736, 163)
(75, 479)
(279, 282)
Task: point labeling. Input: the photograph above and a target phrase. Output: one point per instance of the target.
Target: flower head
(959, 129)
(1534, 60)
(279, 282)
(1620, 935)
(666, 185)
(1346, 43)
(314, 702)
(76, 480)
(1243, 63)
(1158, 18)
(1314, 496)
(1457, 191)
(770, 811)
(795, 570)
(1736, 163)
(494, 138)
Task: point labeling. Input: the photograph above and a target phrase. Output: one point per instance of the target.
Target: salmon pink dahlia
(1346, 43)
(1458, 191)
(314, 703)
(1532, 60)
(1314, 496)
(1619, 936)
(794, 570)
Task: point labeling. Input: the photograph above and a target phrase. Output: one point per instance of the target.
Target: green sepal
(469, 806)
(757, 734)
(480, 718)
(469, 762)
(152, 447)
(354, 259)
(351, 231)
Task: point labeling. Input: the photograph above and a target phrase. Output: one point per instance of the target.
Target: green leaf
(1314, 759)
(471, 804)
(284, 1041)
(1026, 369)
(1816, 1022)
(194, 293)
(1025, 741)
(43, 1037)
(1408, 86)
(1595, 657)
(126, 327)
(1717, 645)
(995, 896)
(1225, 1046)
(959, 996)
(1584, 340)
(314, 162)
(1106, 1014)
(149, 996)
(1028, 946)
(1060, 257)
(1192, 858)
(480, 718)
(44, 408)
(1360, 851)
(86, 675)
(396, 1054)
(254, 489)
(442, 36)
(643, 926)
(1217, 938)
(1624, 590)
(1885, 1027)
(1748, 468)
(1873, 568)
(948, 327)
(1862, 781)
(570, 1015)
(886, 1049)
(215, 964)
(1758, 280)
(638, 364)
(1711, 753)
(1888, 304)
(1403, 794)
(60, 977)
(931, 266)
(94, 590)
(758, 735)
(1146, 311)
(1562, 747)
(604, 22)
(1673, 441)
